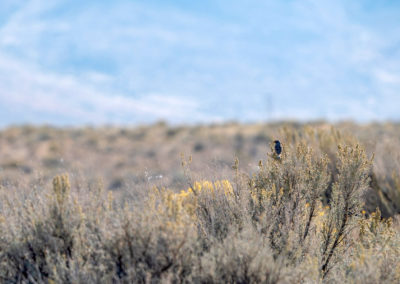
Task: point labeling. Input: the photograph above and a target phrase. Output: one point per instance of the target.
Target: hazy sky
(93, 61)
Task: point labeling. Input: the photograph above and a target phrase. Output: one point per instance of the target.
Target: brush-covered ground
(201, 204)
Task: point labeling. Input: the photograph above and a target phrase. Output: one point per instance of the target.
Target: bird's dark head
(277, 142)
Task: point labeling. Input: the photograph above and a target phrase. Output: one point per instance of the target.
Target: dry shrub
(274, 226)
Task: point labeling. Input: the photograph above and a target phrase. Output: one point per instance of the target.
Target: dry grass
(309, 216)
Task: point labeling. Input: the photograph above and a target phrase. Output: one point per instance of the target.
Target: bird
(278, 147)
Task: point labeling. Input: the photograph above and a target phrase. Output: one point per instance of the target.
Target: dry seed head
(61, 188)
(183, 162)
(110, 199)
(236, 164)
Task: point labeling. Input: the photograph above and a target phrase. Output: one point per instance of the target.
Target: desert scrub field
(325, 212)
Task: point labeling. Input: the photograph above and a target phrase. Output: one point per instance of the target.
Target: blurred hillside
(139, 157)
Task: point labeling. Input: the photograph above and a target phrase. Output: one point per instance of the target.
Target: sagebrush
(303, 218)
